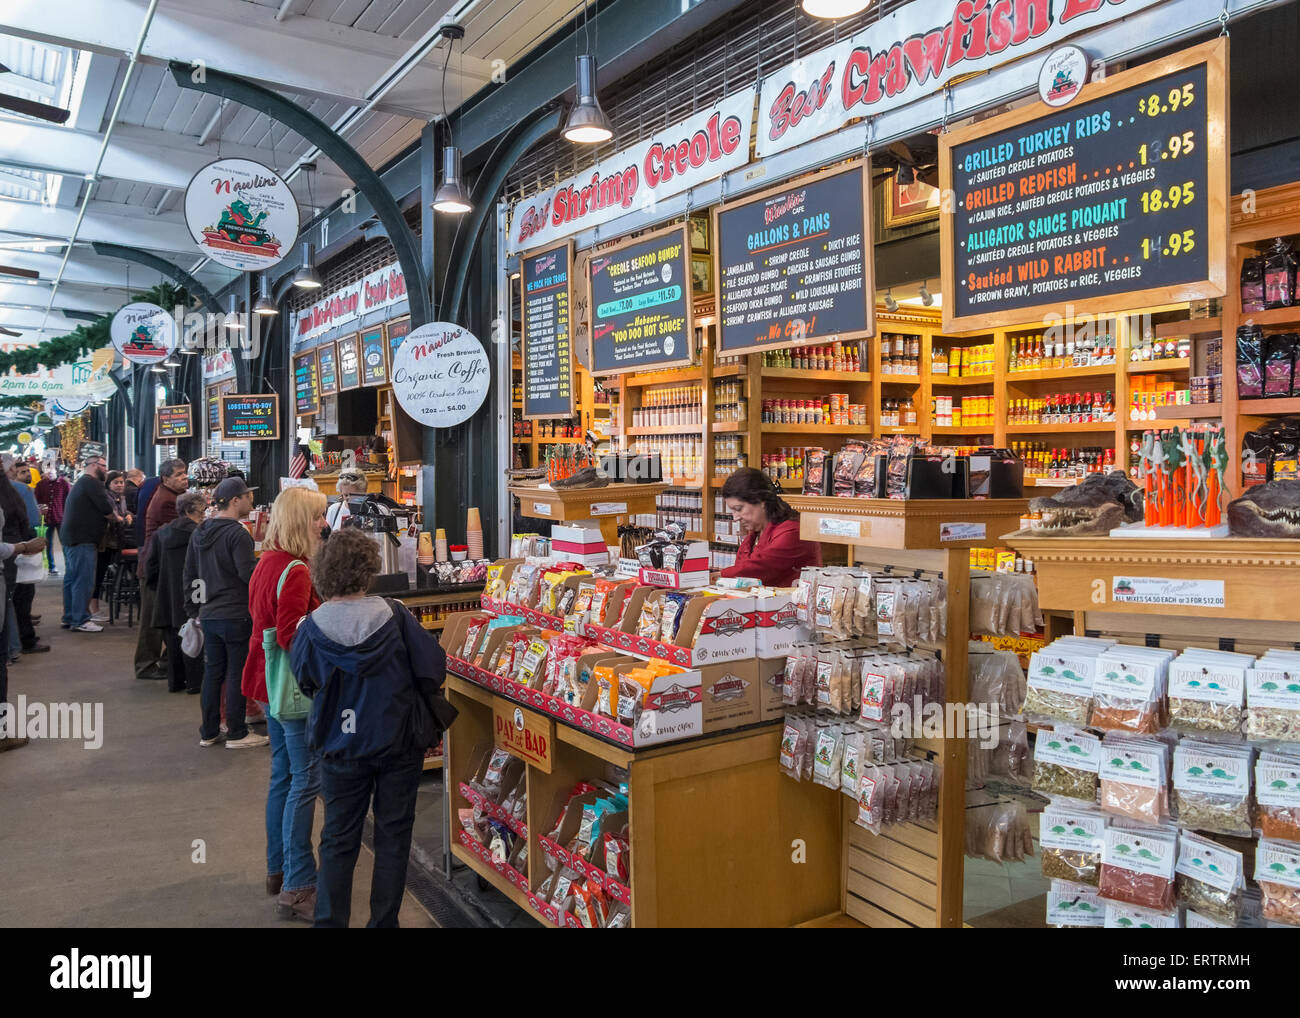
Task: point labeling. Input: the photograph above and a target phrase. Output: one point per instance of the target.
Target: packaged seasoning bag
(1072, 904)
(1279, 275)
(1250, 362)
(851, 760)
(887, 605)
(1279, 357)
(1207, 695)
(1128, 690)
(801, 595)
(793, 738)
(1272, 701)
(1137, 865)
(1066, 763)
(871, 799)
(1277, 791)
(1277, 871)
(1130, 917)
(828, 755)
(1059, 684)
(1212, 787)
(1134, 779)
(1070, 836)
(1210, 878)
(1252, 284)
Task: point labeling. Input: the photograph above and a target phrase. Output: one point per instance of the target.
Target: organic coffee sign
(547, 281)
(1115, 201)
(640, 300)
(794, 264)
(143, 333)
(241, 214)
(440, 375)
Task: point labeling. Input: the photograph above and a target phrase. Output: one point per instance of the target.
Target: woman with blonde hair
(280, 595)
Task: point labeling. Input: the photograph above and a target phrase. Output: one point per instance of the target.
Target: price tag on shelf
(542, 508)
(609, 509)
(830, 526)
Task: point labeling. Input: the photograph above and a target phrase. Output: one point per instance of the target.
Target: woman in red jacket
(770, 549)
(280, 595)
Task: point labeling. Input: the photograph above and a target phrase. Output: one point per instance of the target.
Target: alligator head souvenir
(1095, 506)
(1267, 510)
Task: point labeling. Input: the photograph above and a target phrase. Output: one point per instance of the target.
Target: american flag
(299, 465)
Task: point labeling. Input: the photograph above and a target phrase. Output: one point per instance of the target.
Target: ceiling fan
(27, 107)
(8, 332)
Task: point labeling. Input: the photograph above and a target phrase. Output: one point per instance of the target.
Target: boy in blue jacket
(374, 677)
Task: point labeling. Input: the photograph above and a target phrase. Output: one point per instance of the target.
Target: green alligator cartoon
(240, 225)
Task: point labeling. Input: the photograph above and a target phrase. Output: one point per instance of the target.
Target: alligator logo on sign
(143, 333)
(241, 214)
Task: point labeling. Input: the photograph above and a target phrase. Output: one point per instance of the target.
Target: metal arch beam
(161, 265)
(344, 156)
(490, 181)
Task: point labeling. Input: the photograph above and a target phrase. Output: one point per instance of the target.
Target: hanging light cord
(446, 117)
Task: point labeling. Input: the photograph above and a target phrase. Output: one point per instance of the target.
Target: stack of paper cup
(424, 553)
(474, 534)
(441, 542)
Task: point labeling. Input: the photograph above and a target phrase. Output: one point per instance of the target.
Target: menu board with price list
(640, 296)
(794, 264)
(327, 369)
(1107, 204)
(251, 417)
(546, 278)
(306, 384)
(170, 422)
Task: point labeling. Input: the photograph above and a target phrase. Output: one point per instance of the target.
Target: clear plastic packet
(995, 678)
(1127, 696)
(1058, 687)
(1137, 865)
(801, 596)
(1071, 904)
(1277, 871)
(1071, 836)
(887, 604)
(871, 799)
(1212, 787)
(1210, 878)
(1272, 703)
(1277, 791)
(649, 623)
(828, 755)
(1066, 762)
(794, 738)
(1206, 699)
(864, 606)
(1134, 778)
(1011, 760)
(671, 609)
(851, 760)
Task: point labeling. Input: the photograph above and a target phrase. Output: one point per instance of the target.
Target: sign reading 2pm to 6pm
(1112, 203)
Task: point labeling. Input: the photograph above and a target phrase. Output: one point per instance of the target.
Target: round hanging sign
(1063, 73)
(241, 214)
(68, 406)
(440, 374)
(143, 333)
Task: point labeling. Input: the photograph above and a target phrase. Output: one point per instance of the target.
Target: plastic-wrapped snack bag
(649, 622)
(887, 605)
(1137, 865)
(1134, 778)
(871, 799)
(1210, 878)
(828, 755)
(672, 607)
(851, 761)
(1066, 762)
(1212, 787)
(1277, 871)
(793, 738)
(864, 606)
(801, 596)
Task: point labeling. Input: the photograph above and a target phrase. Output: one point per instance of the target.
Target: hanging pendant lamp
(265, 303)
(451, 197)
(587, 123)
(305, 278)
(233, 321)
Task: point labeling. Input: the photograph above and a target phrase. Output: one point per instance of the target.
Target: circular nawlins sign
(241, 213)
(1062, 75)
(440, 374)
(143, 333)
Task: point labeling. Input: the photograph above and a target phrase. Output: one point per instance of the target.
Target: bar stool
(126, 587)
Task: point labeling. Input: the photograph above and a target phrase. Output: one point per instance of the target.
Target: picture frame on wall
(700, 234)
(349, 355)
(701, 274)
(910, 204)
(373, 350)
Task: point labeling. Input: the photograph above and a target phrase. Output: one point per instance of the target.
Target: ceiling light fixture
(927, 298)
(906, 174)
(891, 305)
(834, 8)
(265, 302)
(452, 197)
(587, 123)
(305, 278)
(234, 321)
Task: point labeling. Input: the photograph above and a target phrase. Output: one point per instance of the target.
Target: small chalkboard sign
(546, 282)
(327, 369)
(349, 353)
(172, 422)
(397, 330)
(374, 357)
(306, 391)
(246, 416)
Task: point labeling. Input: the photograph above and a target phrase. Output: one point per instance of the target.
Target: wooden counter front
(906, 523)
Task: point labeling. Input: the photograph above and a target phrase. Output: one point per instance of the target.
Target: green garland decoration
(82, 340)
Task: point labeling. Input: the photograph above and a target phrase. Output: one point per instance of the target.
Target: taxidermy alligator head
(1095, 506)
(1269, 510)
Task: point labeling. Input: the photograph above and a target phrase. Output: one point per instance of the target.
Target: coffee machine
(370, 514)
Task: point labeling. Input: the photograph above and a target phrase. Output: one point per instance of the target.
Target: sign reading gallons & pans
(143, 333)
(440, 375)
(241, 214)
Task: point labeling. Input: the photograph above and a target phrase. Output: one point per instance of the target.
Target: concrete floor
(106, 837)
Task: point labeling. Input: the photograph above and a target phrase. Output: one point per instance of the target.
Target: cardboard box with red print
(693, 572)
(771, 677)
(776, 625)
(710, 628)
(729, 695)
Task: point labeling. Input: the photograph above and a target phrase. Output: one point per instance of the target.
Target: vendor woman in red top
(770, 548)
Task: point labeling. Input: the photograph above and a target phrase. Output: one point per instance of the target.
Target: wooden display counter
(906, 523)
(328, 483)
(607, 505)
(719, 837)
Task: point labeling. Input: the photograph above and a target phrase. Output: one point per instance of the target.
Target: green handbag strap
(284, 575)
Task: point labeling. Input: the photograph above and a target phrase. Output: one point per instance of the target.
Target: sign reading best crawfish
(1114, 202)
(700, 148)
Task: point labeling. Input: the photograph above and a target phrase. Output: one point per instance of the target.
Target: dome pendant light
(233, 320)
(305, 278)
(451, 197)
(587, 124)
(834, 8)
(265, 303)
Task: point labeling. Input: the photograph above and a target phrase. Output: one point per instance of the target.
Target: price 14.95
(1175, 244)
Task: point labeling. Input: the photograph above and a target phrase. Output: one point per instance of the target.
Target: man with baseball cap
(218, 566)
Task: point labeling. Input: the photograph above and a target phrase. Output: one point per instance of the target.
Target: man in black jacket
(85, 517)
(218, 566)
(164, 570)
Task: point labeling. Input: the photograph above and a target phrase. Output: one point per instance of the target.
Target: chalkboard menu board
(306, 391)
(171, 422)
(547, 284)
(398, 329)
(1105, 205)
(252, 417)
(349, 362)
(214, 410)
(374, 357)
(640, 301)
(327, 369)
(794, 264)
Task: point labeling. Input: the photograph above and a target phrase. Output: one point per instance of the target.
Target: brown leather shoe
(274, 881)
(297, 905)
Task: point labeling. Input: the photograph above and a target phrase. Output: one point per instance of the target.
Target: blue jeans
(348, 785)
(225, 648)
(291, 803)
(78, 578)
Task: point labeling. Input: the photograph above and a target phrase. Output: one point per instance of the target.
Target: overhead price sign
(640, 300)
(172, 422)
(251, 417)
(1117, 201)
(241, 214)
(794, 264)
(912, 53)
(546, 279)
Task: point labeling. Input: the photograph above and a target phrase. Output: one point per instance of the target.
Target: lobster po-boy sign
(698, 149)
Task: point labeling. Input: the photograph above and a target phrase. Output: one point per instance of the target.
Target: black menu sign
(253, 417)
(640, 300)
(306, 389)
(349, 355)
(327, 369)
(547, 284)
(794, 264)
(1105, 205)
(171, 422)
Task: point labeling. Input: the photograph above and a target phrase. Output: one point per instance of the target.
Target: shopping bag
(191, 634)
(31, 568)
(284, 699)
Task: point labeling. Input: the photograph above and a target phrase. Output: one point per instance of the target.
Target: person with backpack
(375, 678)
(280, 595)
